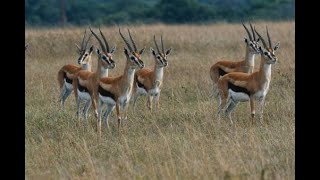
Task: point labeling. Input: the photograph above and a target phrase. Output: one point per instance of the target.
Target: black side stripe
(140, 85)
(106, 93)
(82, 88)
(221, 72)
(68, 80)
(238, 88)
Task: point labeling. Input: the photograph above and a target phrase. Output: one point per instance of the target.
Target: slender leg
(157, 101)
(230, 107)
(94, 103)
(260, 109)
(78, 107)
(149, 102)
(86, 108)
(62, 93)
(252, 106)
(118, 115)
(66, 95)
(100, 104)
(106, 114)
(222, 105)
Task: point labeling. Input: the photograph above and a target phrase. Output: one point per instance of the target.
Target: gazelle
(240, 87)
(223, 67)
(67, 72)
(149, 81)
(116, 91)
(84, 82)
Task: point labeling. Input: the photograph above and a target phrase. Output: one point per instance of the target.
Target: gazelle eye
(104, 58)
(132, 58)
(266, 53)
(158, 57)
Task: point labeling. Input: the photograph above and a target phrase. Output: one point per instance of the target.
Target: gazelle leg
(157, 101)
(260, 109)
(106, 114)
(100, 104)
(149, 102)
(118, 115)
(78, 108)
(230, 107)
(86, 108)
(252, 106)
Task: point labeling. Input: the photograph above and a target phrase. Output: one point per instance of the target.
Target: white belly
(154, 91)
(141, 91)
(83, 95)
(107, 100)
(68, 85)
(124, 99)
(239, 96)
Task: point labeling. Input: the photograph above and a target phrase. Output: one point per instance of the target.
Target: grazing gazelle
(241, 87)
(223, 67)
(149, 81)
(67, 72)
(85, 82)
(116, 91)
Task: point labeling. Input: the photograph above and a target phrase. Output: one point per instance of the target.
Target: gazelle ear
(152, 50)
(142, 51)
(91, 49)
(276, 46)
(126, 52)
(113, 49)
(79, 49)
(168, 51)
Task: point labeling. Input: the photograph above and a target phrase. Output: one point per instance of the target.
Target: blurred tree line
(96, 12)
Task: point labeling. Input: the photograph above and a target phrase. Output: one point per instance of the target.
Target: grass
(183, 139)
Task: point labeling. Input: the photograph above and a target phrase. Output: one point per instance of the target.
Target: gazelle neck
(158, 72)
(264, 71)
(88, 65)
(99, 68)
(249, 60)
(128, 75)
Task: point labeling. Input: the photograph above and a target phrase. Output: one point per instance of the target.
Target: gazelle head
(106, 54)
(160, 56)
(84, 52)
(133, 55)
(268, 51)
(252, 42)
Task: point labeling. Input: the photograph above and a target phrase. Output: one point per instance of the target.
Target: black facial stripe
(221, 72)
(140, 85)
(238, 88)
(82, 88)
(105, 93)
(68, 80)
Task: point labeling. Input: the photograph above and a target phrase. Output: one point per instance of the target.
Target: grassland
(183, 139)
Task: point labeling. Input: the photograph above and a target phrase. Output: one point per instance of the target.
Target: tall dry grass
(180, 141)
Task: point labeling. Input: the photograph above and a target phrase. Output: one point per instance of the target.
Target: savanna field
(182, 140)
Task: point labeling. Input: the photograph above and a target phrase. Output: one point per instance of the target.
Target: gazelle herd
(232, 81)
